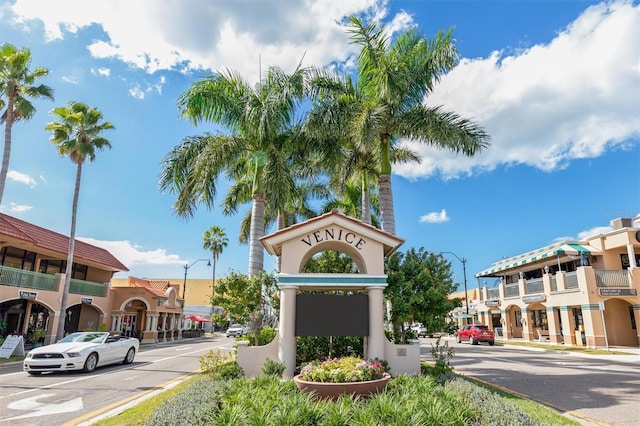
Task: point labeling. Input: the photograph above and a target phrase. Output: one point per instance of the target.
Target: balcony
(15, 277)
(613, 278)
(22, 278)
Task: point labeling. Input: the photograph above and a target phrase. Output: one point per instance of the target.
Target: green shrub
(311, 348)
(265, 336)
(442, 355)
(490, 408)
(220, 365)
(273, 368)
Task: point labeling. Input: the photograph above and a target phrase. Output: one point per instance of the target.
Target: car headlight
(73, 354)
(29, 355)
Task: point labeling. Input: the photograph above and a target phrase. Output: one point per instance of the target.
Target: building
(571, 292)
(32, 274)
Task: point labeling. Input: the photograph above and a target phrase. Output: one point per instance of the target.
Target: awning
(196, 318)
(559, 249)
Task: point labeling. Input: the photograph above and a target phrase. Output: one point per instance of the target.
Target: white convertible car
(81, 351)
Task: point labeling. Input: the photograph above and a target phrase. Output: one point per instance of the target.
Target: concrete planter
(333, 390)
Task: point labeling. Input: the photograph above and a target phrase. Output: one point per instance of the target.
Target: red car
(475, 333)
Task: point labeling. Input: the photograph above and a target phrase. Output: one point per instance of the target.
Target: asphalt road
(71, 398)
(594, 390)
(591, 389)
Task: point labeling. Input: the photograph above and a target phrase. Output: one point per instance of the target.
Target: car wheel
(491, 343)
(458, 339)
(128, 359)
(91, 362)
(472, 340)
(34, 373)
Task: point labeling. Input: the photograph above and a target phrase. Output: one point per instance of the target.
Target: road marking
(43, 409)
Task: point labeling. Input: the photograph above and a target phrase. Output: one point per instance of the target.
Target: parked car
(475, 333)
(81, 351)
(237, 330)
(419, 329)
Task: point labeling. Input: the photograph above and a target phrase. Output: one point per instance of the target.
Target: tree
(78, 135)
(419, 283)
(215, 240)
(261, 122)
(329, 262)
(17, 86)
(243, 297)
(394, 77)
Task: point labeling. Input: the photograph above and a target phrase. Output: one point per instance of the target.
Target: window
(633, 318)
(17, 258)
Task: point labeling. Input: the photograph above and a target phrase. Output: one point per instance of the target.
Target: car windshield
(235, 326)
(482, 327)
(83, 337)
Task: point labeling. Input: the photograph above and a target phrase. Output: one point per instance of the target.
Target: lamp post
(186, 268)
(464, 271)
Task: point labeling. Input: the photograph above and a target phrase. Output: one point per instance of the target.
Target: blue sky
(555, 83)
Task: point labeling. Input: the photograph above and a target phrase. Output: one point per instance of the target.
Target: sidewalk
(631, 354)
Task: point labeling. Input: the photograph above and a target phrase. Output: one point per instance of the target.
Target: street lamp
(464, 271)
(186, 268)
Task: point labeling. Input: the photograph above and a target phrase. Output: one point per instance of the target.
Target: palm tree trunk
(386, 204)
(256, 251)
(366, 203)
(7, 146)
(69, 268)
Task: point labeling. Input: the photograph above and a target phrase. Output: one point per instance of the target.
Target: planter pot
(334, 390)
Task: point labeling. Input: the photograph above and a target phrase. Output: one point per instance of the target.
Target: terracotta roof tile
(53, 241)
(157, 287)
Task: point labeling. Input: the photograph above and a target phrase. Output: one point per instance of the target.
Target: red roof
(157, 287)
(44, 239)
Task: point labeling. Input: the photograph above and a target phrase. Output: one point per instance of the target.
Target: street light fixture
(186, 268)
(464, 271)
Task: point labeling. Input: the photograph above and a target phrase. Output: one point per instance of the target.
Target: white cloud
(575, 97)
(165, 35)
(136, 92)
(71, 80)
(434, 217)
(19, 208)
(105, 72)
(22, 178)
(130, 254)
(594, 231)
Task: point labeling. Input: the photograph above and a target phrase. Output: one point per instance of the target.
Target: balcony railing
(493, 293)
(88, 288)
(534, 286)
(511, 290)
(554, 284)
(613, 278)
(28, 279)
(572, 280)
(15, 277)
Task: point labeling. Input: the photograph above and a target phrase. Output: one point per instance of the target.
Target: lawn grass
(12, 358)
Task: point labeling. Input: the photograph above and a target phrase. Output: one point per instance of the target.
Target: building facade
(582, 293)
(32, 275)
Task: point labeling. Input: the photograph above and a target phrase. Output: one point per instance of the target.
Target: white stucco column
(375, 345)
(632, 256)
(287, 329)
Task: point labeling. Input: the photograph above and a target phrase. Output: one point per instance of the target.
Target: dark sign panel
(332, 315)
(493, 302)
(614, 291)
(29, 295)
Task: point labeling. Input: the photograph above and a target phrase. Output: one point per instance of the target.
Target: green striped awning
(555, 250)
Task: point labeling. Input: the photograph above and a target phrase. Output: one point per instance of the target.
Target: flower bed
(344, 376)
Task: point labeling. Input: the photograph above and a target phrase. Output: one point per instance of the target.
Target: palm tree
(215, 240)
(77, 134)
(17, 85)
(394, 77)
(261, 122)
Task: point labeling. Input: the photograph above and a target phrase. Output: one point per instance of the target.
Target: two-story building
(33, 262)
(571, 292)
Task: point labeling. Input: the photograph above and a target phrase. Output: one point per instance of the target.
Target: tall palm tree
(215, 240)
(394, 77)
(78, 135)
(17, 85)
(261, 123)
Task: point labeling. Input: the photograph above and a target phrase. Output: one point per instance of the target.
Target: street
(54, 399)
(591, 389)
(597, 389)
